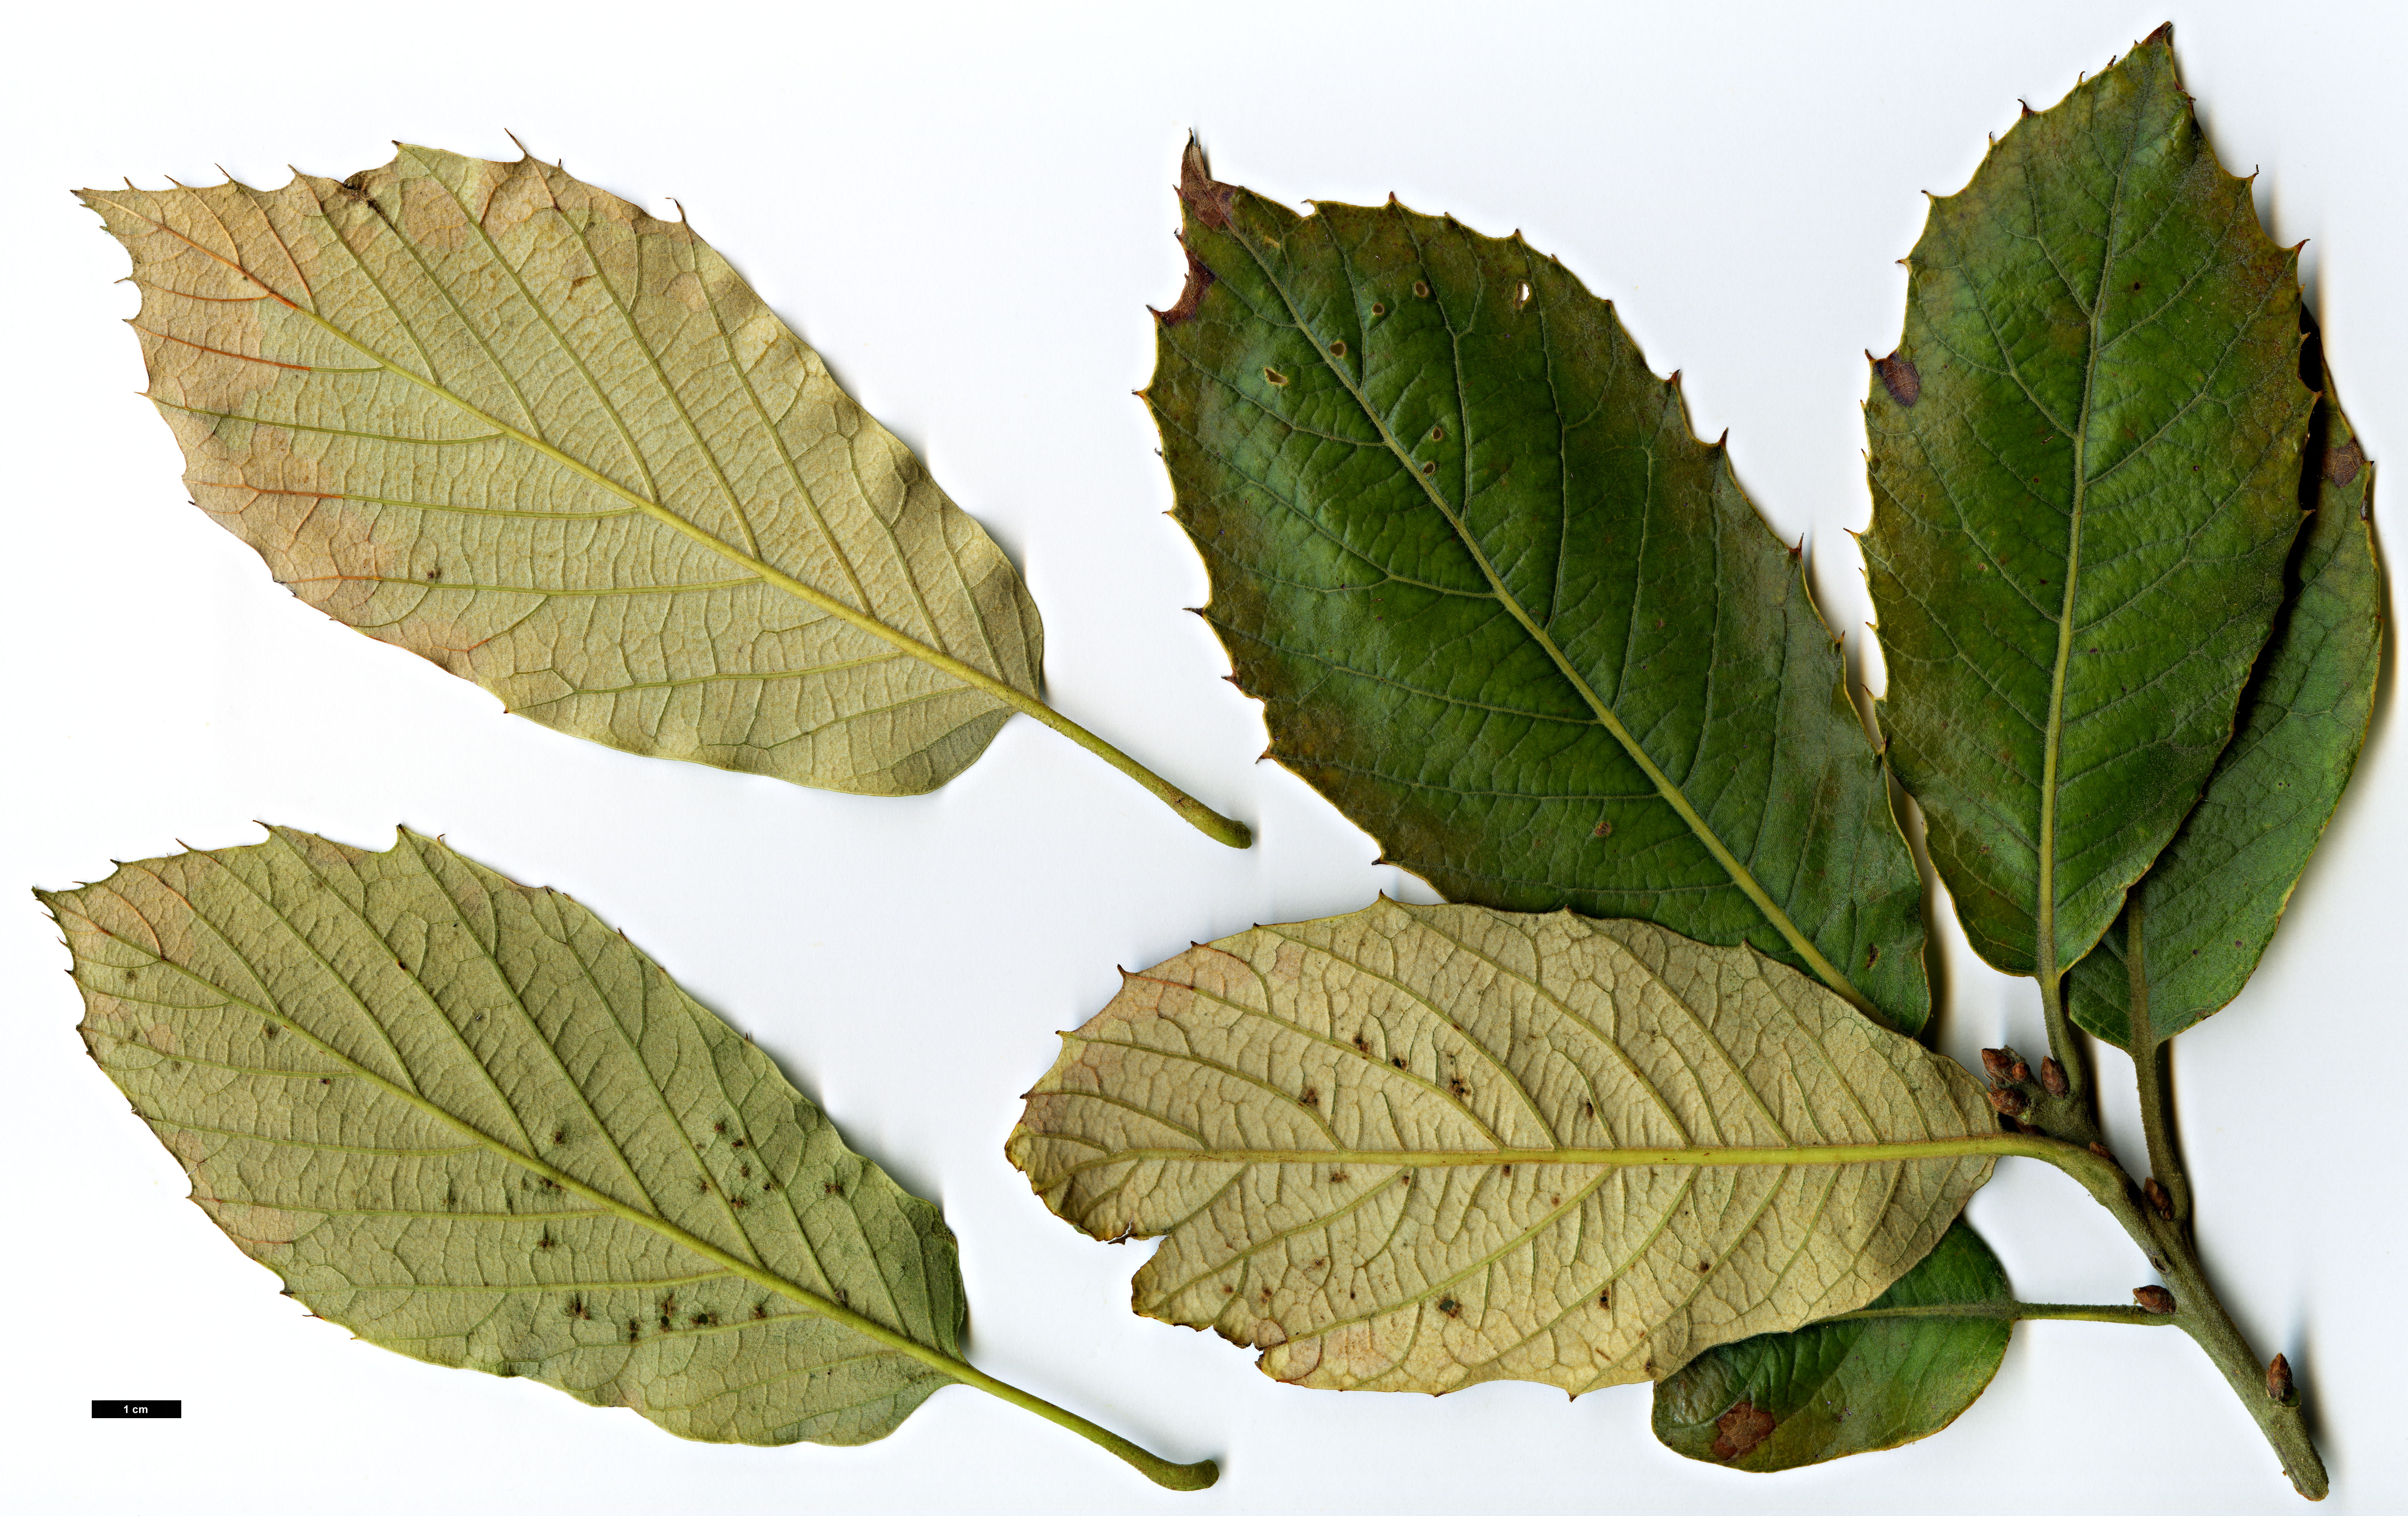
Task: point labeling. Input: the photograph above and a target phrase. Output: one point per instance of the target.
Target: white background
(967, 212)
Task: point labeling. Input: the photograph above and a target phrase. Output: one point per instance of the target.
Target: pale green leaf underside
(1417, 1148)
(489, 413)
(469, 1122)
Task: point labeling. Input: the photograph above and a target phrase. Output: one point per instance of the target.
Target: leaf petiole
(2009, 1310)
(1200, 1475)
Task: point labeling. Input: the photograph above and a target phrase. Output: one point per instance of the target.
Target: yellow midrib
(2000, 1145)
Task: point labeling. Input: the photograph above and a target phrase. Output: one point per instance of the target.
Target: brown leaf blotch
(1205, 197)
(2342, 462)
(1191, 296)
(1741, 1428)
(1899, 377)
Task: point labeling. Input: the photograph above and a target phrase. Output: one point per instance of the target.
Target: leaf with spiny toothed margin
(1789, 1399)
(469, 1122)
(1419, 1147)
(1505, 611)
(491, 414)
(2085, 464)
(2209, 904)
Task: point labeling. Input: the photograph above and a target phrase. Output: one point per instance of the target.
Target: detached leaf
(1418, 1147)
(2210, 905)
(2086, 456)
(1505, 611)
(467, 1120)
(1837, 1388)
(493, 415)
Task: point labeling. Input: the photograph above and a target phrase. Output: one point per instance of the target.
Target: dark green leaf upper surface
(469, 1122)
(2085, 462)
(1505, 609)
(1786, 1399)
(2209, 906)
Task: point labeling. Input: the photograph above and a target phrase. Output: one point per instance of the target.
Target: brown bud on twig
(2021, 1073)
(2159, 1201)
(1997, 1062)
(2009, 1102)
(2100, 1149)
(2278, 1379)
(2052, 1077)
(2154, 1298)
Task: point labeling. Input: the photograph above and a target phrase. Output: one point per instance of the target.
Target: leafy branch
(1514, 619)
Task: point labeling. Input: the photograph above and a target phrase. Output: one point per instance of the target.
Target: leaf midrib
(2002, 1144)
(2053, 736)
(811, 1300)
(1666, 790)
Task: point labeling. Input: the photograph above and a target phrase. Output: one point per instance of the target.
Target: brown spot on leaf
(1206, 198)
(1741, 1428)
(1191, 295)
(1450, 1308)
(1899, 378)
(1603, 828)
(2342, 462)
